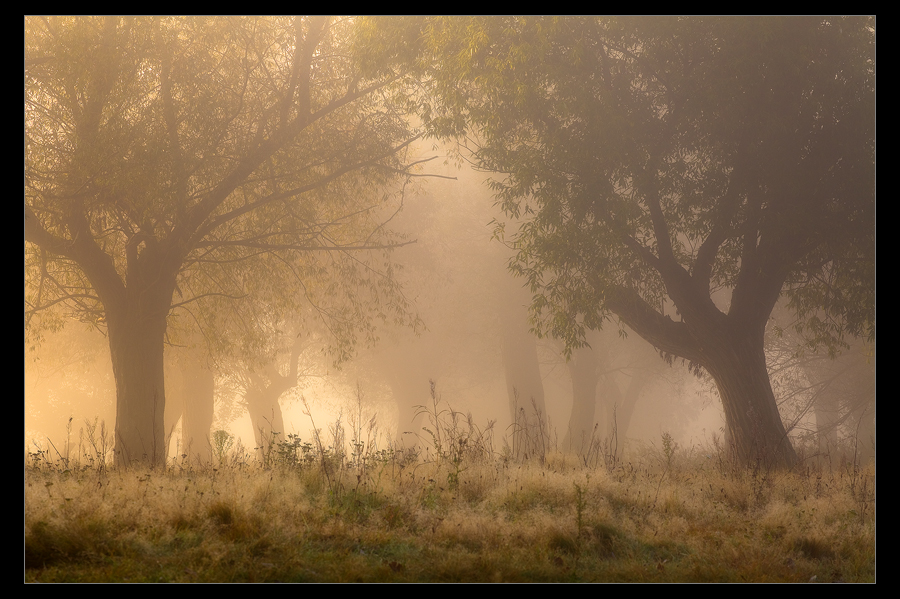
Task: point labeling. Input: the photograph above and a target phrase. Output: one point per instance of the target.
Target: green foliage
(243, 149)
(654, 159)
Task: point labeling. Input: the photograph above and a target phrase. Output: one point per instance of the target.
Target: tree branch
(202, 295)
(661, 331)
(249, 207)
(305, 248)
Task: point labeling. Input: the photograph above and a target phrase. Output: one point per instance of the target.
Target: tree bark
(136, 349)
(731, 348)
(136, 312)
(738, 367)
(136, 319)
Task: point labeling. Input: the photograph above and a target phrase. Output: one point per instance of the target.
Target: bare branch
(306, 248)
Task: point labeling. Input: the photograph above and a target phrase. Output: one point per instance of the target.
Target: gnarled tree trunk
(731, 348)
(738, 367)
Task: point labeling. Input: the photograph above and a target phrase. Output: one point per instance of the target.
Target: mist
(449, 298)
(475, 354)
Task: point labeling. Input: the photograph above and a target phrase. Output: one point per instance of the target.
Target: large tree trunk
(730, 347)
(738, 367)
(136, 319)
(136, 349)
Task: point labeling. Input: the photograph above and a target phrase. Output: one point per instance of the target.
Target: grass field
(455, 510)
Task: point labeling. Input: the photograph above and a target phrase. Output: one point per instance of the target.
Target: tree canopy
(681, 173)
(172, 162)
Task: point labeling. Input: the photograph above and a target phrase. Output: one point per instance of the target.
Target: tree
(172, 164)
(190, 398)
(524, 383)
(609, 372)
(659, 162)
(263, 387)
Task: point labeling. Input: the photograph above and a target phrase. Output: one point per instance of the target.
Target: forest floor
(453, 512)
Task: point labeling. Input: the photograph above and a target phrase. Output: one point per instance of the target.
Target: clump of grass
(93, 450)
(531, 434)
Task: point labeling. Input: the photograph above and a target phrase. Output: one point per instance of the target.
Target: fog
(475, 346)
(449, 299)
(474, 354)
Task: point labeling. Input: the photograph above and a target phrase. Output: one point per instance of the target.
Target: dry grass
(459, 512)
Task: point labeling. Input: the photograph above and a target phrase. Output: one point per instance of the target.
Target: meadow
(461, 507)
